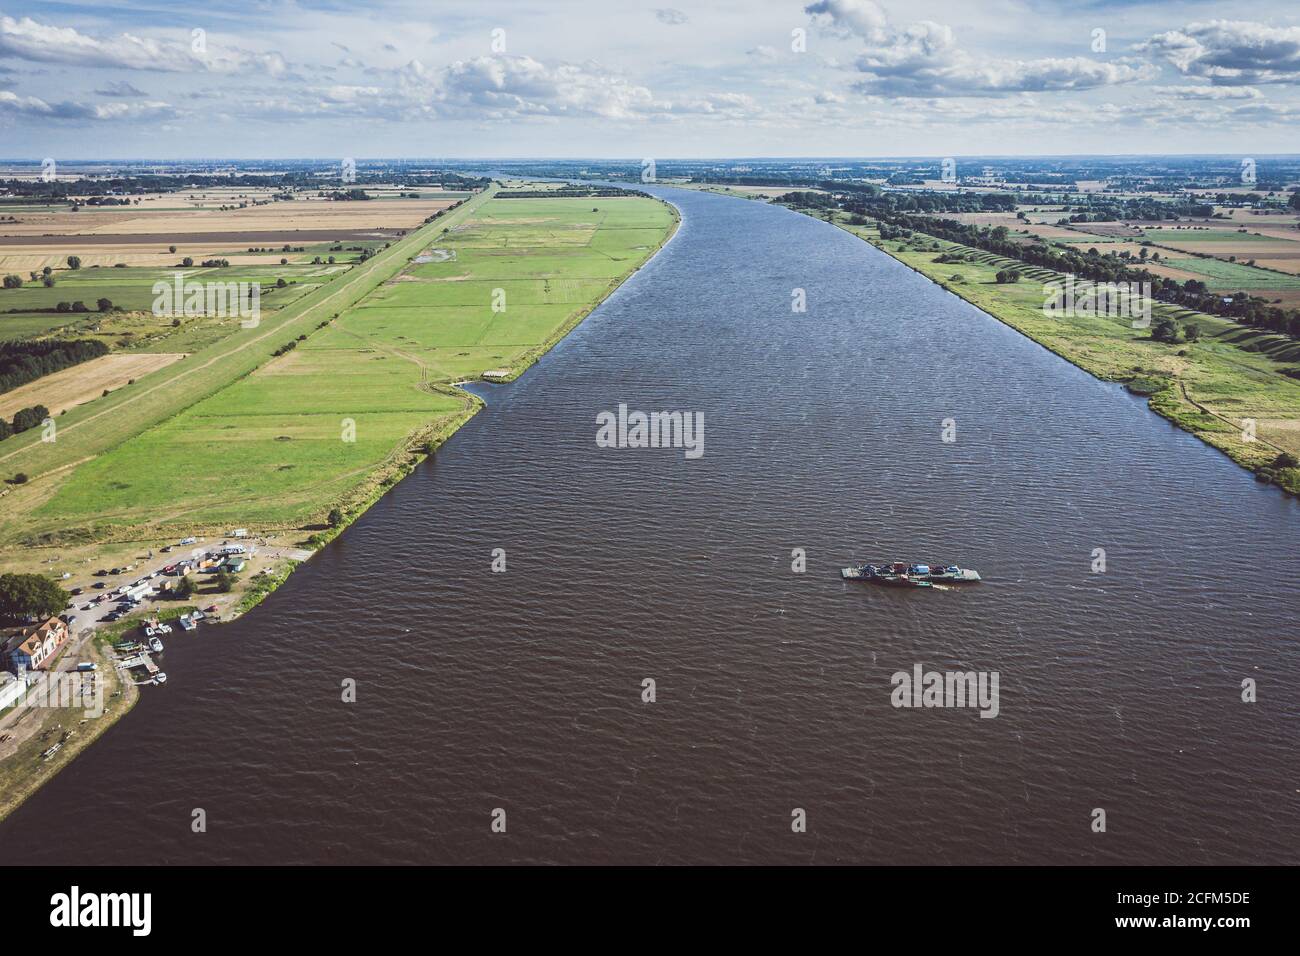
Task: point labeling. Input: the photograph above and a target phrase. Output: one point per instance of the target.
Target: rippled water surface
(522, 690)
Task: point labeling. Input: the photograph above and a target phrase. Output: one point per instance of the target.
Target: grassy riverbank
(359, 397)
(1214, 388)
(303, 444)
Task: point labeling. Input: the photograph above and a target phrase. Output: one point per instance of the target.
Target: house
(33, 648)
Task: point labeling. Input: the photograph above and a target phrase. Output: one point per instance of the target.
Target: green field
(1224, 276)
(268, 448)
(1208, 387)
(1203, 235)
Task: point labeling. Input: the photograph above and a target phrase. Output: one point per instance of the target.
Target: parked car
(100, 585)
(75, 591)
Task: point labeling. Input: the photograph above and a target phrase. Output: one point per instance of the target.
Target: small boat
(155, 645)
(902, 574)
(160, 677)
(187, 625)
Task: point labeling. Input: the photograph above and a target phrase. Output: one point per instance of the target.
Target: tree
(171, 248)
(24, 594)
(13, 282)
(5, 429)
(1166, 330)
(74, 262)
(187, 261)
(105, 305)
(335, 517)
(225, 581)
(26, 418)
(1191, 331)
(184, 588)
(1007, 275)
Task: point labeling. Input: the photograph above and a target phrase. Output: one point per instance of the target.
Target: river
(522, 690)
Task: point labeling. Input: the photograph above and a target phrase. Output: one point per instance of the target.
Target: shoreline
(411, 452)
(1171, 402)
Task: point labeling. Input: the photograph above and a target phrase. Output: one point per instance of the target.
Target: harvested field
(83, 383)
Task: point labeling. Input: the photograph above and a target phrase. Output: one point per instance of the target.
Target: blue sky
(573, 78)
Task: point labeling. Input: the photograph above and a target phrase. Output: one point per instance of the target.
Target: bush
(20, 478)
(1007, 275)
(1166, 330)
(26, 418)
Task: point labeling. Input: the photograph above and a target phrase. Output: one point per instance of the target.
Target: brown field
(139, 235)
(1044, 231)
(82, 383)
(1109, 229)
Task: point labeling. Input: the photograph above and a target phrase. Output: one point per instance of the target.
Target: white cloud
(924, 60)
(670, 16)
(30, 106)
(120, 88)
(27, 39)
(1209, 92)
(1231, 52)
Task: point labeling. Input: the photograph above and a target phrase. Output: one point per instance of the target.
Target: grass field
(1208, 388)
(281, 440)
(1224, 276)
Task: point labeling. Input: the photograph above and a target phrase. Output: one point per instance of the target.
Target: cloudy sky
(612, 78)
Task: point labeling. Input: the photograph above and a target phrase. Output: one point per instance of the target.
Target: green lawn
(268, 451)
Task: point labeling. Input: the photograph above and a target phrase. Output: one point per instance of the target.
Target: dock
(138, 660)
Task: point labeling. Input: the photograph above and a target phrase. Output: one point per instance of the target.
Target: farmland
(335, 419)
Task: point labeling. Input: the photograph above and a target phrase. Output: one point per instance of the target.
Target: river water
(523, 690)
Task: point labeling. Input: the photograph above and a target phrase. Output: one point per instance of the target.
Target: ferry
(902, 574)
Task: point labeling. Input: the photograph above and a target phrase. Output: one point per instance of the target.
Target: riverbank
(1235, 400)
(372, 318)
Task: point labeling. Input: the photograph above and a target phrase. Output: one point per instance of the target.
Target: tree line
(23, 362)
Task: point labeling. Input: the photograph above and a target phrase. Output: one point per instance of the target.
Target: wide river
(522, 690)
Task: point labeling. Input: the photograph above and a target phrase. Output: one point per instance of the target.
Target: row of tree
(23, 362)
(1192, 294)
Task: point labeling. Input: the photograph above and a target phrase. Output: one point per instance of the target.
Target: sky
(615, 79)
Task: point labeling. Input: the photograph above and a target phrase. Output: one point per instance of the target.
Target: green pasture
(271, 448)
